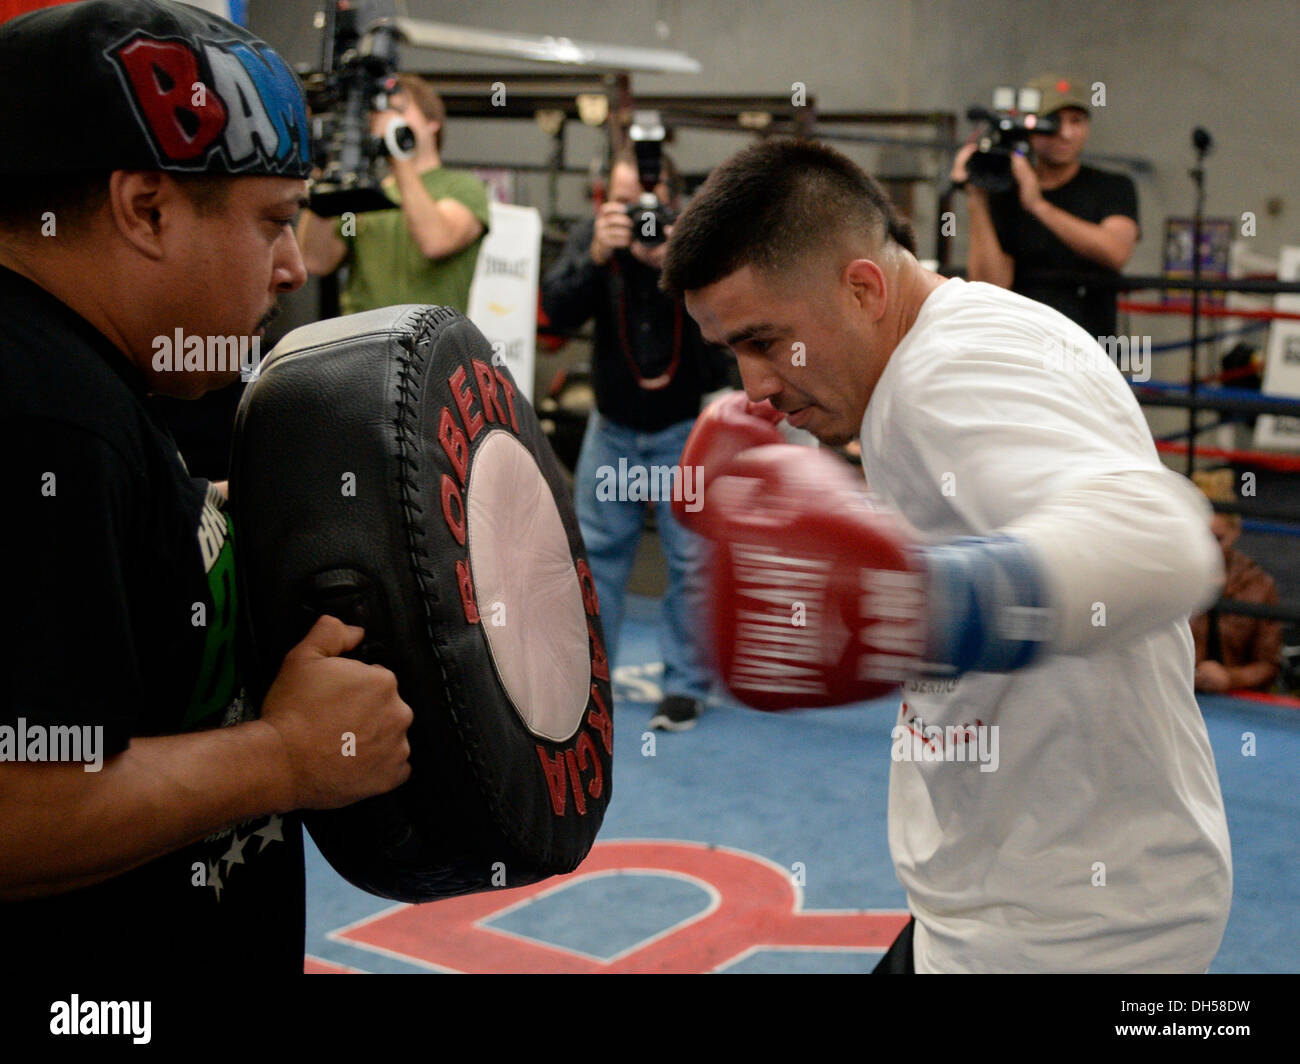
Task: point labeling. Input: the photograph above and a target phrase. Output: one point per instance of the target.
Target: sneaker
(676, 713)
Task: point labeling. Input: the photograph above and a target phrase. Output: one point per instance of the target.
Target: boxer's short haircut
(75, 198)
(770, 205)
(426, 98)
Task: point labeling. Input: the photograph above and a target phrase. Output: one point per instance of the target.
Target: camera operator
(1059, 215)
(424, 251)
(650, 368)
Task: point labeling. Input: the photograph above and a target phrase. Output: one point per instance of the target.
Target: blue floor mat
(806, 795)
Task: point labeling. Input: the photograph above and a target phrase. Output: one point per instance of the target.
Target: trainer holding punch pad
(387, 472)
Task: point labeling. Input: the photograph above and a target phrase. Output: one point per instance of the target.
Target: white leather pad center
(526, 589)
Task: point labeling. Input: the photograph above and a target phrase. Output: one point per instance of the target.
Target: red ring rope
(1281, 463)
(1207, 312)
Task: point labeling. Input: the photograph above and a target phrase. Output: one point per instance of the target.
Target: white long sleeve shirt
(1099, 843)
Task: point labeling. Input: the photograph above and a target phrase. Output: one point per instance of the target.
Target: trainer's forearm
(62, 827)
(1122, 554)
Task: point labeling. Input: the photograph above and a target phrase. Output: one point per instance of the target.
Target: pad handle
(352, 597)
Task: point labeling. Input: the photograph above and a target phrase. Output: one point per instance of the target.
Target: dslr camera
(649, 217)
(1008, 127)
(358, 74)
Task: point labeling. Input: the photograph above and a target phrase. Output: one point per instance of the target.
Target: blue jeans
(611, 530)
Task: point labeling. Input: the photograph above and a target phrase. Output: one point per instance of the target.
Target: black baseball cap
(145, 85)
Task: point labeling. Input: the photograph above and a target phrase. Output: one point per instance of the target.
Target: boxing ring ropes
(1215, 393)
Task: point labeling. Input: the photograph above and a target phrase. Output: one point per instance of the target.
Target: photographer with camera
(424, 250)
(650, 369)
(1050, 215)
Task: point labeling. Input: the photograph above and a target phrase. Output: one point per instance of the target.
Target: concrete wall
(1166, 66)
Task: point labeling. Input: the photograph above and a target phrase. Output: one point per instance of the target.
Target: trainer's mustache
(267, 319)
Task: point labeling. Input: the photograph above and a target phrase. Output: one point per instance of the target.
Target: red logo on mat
(754, 906)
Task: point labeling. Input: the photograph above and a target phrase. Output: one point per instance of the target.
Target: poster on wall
(500, 182)
(1216, 240)
(1282, 362)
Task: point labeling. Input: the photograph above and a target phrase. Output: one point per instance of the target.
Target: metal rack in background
(553, 100)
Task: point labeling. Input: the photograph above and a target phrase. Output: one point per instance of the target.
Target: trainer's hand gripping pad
(385, 471)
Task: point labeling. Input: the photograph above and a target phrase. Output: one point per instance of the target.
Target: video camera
(649, 217)
(1013, 120)
(358, 74)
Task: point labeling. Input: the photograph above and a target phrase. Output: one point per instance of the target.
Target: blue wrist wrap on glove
(988, 605)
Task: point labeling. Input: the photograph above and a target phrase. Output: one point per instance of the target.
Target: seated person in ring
(1235, 652)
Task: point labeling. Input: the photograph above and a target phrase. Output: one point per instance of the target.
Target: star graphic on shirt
(235, 855)
(271, 832)
(214, 877)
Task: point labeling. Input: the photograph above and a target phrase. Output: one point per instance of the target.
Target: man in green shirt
(423, 251)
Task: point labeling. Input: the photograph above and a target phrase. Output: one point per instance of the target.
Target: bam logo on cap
(235, 107)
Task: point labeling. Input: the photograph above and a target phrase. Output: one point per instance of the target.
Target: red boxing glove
(817, 599)
(724, 428)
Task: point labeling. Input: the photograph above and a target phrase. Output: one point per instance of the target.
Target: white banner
(1282, 363)
(503, 296)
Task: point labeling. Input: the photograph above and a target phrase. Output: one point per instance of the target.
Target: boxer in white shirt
(1054, 804)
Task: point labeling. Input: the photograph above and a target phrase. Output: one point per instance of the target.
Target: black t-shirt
(203, 428)
(650, 365)
(1092, 195)
(122, 615)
